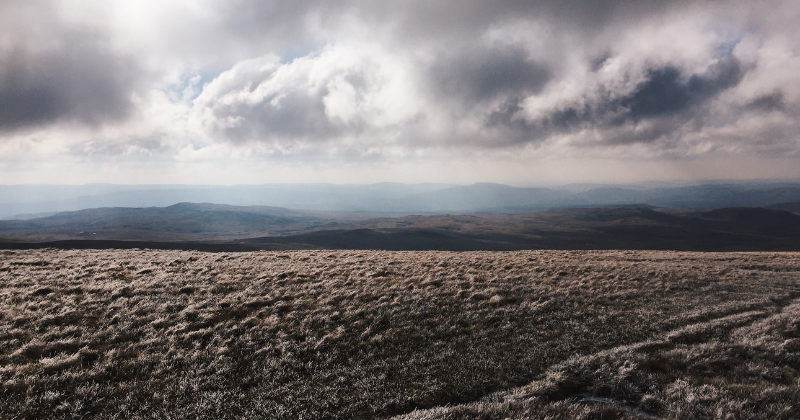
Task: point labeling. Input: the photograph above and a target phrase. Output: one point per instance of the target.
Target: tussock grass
(418, 335)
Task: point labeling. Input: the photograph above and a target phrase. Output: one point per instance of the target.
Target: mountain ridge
(18, 202)
(261, 227)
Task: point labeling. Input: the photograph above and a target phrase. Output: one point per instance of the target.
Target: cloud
(258, 98)
(666, 93)
(659, 83)
(83, 83)
(337, 93)
(481, 74)
(354, 80)
(53, 71)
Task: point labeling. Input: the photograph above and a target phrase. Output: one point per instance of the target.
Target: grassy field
(412, 335)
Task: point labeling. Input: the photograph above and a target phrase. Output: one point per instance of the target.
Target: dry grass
(330, 334)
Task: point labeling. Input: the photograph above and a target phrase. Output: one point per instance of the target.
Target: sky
(521, 92)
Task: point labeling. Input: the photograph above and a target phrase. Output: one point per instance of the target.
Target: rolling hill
(22, 201)
(259, 227)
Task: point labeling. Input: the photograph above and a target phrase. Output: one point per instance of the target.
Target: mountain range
(36, 201)
(227, 227)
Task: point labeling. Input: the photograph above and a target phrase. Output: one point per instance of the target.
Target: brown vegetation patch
(366, 334)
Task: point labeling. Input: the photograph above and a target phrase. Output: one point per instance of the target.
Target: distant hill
(179, 222)
(260, 227)
(790, 207)
(16, 200)
(22, 200)
(634, 227)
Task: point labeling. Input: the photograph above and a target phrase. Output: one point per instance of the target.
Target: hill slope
(256, 227)
(179, 222)
(791, 207)
(734, 229)
(20, 200)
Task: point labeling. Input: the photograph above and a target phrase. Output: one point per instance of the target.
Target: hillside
(593, 228)
(790, 207)
(179, 222)
(20, 201)
(258, 227)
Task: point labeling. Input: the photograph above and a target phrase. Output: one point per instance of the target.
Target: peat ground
(376, 334)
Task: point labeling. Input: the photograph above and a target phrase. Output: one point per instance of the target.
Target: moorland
(141, 334)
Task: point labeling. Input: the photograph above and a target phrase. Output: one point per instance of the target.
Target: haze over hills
(259, 227)
(179, 222)
(790, 207)
(31, 201)
(633, 227)
(732, 216)
(25, 199)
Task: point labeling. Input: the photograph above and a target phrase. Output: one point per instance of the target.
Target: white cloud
(174, 83)
(341, 93)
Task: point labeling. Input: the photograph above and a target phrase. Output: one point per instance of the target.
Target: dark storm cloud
(481, 74)
(771, 102)
(666, 92)
(54, 69)
(509, 125)
(666, 100)
(282, 26)
(83, 83)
